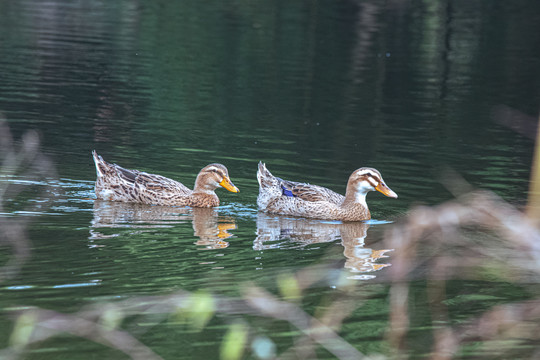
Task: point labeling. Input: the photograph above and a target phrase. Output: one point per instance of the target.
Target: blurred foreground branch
(21, 164)
(533, 206)
(442, 232)
(527, 126)
(100, 323)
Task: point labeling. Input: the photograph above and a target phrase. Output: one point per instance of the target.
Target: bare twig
(24, 162)
(267, 305)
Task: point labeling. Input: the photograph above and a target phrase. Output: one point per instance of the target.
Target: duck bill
(382, 188)
(227, 184)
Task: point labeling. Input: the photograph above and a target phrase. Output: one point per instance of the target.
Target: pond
(419, 90)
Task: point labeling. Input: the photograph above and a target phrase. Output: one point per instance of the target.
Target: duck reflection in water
(211, 229)
(275, 232)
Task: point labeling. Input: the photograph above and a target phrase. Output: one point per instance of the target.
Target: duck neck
(353, 197)
(202, 187)
(355, 205)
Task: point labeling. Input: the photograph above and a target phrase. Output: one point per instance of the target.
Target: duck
(282, 197)
(115, 183)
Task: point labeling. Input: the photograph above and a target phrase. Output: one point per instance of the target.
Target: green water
(315, 89)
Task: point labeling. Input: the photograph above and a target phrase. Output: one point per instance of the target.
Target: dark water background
(315, 89)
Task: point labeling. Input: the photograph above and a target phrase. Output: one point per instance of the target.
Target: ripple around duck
(239, 210)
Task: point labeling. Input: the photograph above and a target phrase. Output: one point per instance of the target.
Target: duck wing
(273, 187)
(148, 181)
(308, 192)
(113, 174)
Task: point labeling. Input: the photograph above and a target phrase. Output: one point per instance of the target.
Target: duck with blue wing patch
(278, 196)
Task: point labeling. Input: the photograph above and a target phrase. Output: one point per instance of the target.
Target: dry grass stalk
(441, 232)
(21, 161)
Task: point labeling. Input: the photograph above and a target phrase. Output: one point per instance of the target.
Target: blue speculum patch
(287, 192)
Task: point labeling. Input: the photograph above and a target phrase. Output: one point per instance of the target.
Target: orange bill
(382, 188)
(227, 184)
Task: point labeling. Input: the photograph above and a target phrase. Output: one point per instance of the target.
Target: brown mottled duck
(278, 196)
(114, 183)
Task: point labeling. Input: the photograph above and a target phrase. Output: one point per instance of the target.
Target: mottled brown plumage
(278, 196)
(114, 183)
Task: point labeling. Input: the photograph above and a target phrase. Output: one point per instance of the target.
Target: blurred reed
(21, 160)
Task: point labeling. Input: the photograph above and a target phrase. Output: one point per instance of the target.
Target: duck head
(364, 180)
(213, 176)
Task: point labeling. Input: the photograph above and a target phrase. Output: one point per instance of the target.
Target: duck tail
(260, 172)
(101, 165)
(265, 177)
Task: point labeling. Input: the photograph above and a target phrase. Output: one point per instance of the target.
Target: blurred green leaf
(288, 287)
(24, 327)
(112, 318)
(201, 309)
(234, 342)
